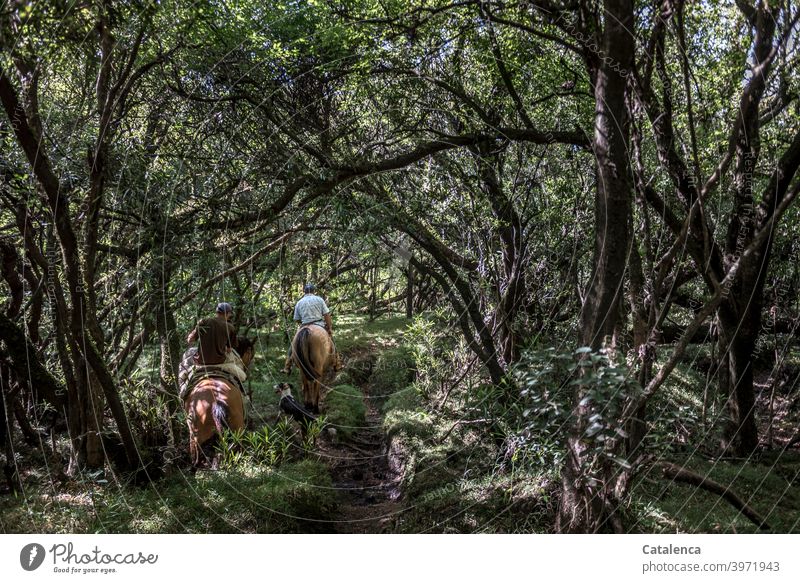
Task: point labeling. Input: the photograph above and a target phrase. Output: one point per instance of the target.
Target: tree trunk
(7, 431)
(739, 315)
(27, 365)
(85, 346)
(737, 340)
(170, 351)
(410, 291)
(585, 504)
(511, 288)
(5, 422)
(644, 350)
(90, 455)
(166, 327)
(170, 356)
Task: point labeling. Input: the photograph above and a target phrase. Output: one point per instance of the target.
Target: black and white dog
(292, 407)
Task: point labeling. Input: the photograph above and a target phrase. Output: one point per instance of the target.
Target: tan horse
(312, 352)
(212, 406)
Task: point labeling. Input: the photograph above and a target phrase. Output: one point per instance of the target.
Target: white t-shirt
(310, 310)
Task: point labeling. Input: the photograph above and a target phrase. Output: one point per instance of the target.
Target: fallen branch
(680, 474)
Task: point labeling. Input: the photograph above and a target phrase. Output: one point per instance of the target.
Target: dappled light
(399, 267)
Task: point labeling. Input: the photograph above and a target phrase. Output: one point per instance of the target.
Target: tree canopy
(612, 177)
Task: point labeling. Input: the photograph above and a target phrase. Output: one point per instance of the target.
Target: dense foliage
(573, 203)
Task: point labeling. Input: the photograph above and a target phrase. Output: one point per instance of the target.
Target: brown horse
(312, 352)
(214, 405)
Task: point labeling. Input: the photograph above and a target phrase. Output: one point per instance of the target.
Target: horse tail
(303, 350)
(220, 412)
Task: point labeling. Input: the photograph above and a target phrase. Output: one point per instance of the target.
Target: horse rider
(216, 338)
(312, 310)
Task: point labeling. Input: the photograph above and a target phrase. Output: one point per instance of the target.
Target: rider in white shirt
(311, 309)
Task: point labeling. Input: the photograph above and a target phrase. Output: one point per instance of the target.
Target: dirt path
(359, 467)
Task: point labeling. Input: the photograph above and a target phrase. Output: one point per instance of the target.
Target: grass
(393, 371)
(449, 480)
(768, 481)
(510, 503)
(295, 497)
(768, 486)
(250, 497)
(345, 409)
(354, 332)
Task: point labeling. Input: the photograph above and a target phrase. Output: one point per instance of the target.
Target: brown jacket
(214, 336)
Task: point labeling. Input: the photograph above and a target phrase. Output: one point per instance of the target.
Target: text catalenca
(670, 550)
(65, 554)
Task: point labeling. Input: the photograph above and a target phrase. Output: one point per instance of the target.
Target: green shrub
(359, 368)
(147, 410)
(343, 377)
(432, 347)
(407, 398)
(345, 409)
(269, 446)
(548, 380)
(393, 370)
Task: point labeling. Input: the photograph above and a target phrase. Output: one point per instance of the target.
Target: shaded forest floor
(360, 470)
(399, 461)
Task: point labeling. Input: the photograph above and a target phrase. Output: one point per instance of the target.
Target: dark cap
(224, 308)
(309, 287)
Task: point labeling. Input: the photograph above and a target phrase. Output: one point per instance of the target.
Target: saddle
(201, 372)
(190, 374)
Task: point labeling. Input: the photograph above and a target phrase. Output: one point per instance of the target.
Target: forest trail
(368, 488)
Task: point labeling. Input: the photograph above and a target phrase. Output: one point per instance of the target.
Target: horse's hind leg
(194, 446)
(214, 454)
(307, 402)
(210, 453)
(315, 390)
(194, 452)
